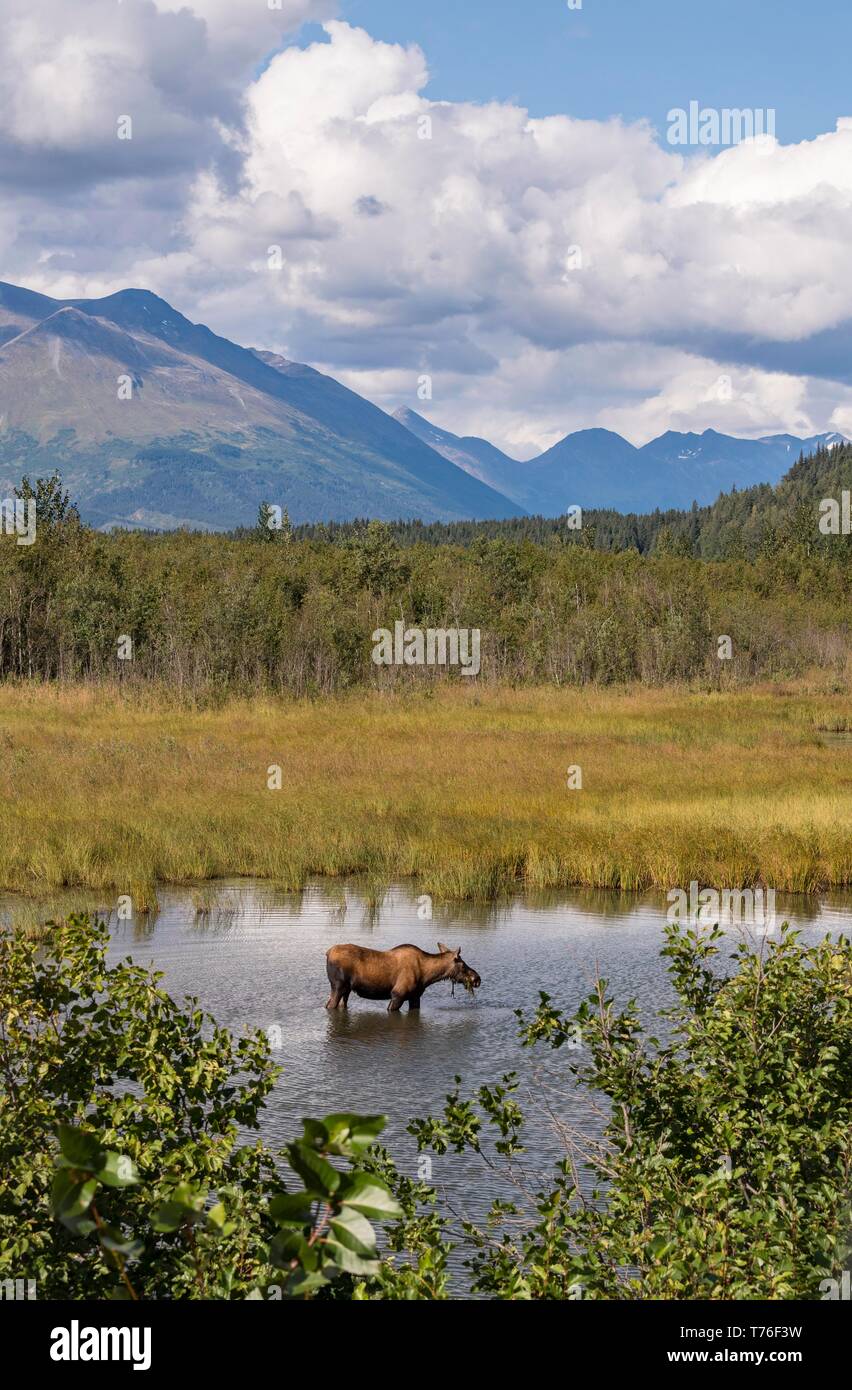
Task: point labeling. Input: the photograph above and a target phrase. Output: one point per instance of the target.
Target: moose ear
(458, 954)
(442, 948)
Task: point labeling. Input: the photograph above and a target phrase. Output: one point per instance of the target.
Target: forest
(291, 610)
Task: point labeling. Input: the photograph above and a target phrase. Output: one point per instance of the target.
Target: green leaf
(290, 1209)
(78, 1148)
(302, 1284)
(185, 1204)
(349, 1260)
(369, 1195)
(352, 1229)
(217, 1216)
(315, 1133)
(352, 1134)
(70, 1201)
(317, 1175)
(288, 1246)
(113, 1239)
(168, 1216)
(60, 1187)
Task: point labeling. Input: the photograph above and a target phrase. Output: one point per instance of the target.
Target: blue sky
(631, 58)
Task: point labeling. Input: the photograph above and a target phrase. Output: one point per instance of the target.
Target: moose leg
(340, 986)
(414, 1000)
(396, 1003)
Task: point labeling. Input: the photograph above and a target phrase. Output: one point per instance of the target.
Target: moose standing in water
(400, 975)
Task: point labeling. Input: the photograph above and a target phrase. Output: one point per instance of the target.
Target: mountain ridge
(207, 430)
(597, 468)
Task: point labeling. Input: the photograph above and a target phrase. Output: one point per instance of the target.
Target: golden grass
(464, 789)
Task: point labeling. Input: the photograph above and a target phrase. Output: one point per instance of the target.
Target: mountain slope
(476, 456)
(69, 351)
(209, 430)
(578, 471)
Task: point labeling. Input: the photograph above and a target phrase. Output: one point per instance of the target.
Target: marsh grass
(29, 916)
(205, 899)
(465, 791)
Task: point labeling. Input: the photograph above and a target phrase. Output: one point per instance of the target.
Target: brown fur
(400, 975)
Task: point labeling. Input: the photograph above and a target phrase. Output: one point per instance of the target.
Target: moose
(400, 975)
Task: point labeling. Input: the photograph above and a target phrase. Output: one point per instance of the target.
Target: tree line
(293, 610)
(739, 524)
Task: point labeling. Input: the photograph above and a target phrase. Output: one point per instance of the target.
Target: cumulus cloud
(248, 29)
(71, 72)
(545, 273)
(75, 77)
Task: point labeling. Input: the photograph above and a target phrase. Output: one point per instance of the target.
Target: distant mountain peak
(596, 432)
(404, 414)
(596, 467)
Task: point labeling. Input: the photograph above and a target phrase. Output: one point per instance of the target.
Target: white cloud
(548, 273)
(638, 391)
(244, 32)
(71, 70)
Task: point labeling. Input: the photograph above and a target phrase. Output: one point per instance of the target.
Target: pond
(255, 958)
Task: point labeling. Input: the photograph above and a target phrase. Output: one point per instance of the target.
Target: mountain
(587, 466)
(597, 468)
(156, 421)
(698, 467)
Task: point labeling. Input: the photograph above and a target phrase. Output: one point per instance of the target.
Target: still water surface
(256, 959)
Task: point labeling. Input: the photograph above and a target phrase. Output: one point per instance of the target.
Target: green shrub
(724, 1170)
(121, 1170)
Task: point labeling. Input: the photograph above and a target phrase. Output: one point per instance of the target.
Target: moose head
(459, 972)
